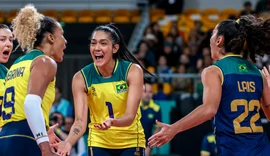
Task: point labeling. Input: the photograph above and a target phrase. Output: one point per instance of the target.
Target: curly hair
(26, 25)
(253, 31)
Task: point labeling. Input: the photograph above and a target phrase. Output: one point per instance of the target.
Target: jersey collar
(114, 69)
(230, 55)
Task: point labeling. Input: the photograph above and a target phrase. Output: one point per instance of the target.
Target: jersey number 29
(8, 104)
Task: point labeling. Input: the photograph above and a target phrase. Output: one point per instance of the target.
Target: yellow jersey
(107, 97)
(3, 73)
(16, 90)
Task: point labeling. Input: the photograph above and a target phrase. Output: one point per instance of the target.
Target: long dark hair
(123, 53)
(250, 29)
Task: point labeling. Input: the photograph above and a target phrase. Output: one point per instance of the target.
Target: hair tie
(238, 21)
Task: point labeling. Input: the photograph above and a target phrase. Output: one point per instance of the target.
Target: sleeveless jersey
(16, 90)
(237, 124)
(3, 73)
(107, 97)
(209, 145)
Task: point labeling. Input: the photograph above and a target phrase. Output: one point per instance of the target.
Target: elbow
(210, 113)
(27, 106)
(83, 129)
(82, 124)
(130, 120)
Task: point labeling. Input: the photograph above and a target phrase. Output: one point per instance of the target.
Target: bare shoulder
(78, 83)
(135, 73)
(135, 68)
(44, 62)
(78, 76)
(211, 71)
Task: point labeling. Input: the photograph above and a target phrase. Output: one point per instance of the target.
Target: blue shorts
(16, 138)
(97, 151)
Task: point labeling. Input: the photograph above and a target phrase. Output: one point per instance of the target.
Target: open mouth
(6, 52)
(99, 57)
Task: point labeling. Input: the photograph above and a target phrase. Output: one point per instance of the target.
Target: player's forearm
(76, 132)
(124, 121)
(61, 134)
(195, 118)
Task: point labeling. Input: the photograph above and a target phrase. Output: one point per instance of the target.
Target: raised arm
(81, 109)
(43, 71)
(265, 104)
(81, 112)
(211, 79)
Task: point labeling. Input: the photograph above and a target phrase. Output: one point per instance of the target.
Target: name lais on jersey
(246, 86)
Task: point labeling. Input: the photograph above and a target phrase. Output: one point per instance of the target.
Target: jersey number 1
(8, 104)
(110, 109)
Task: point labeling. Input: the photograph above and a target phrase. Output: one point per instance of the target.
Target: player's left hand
(52, 137)
(105, 125)
(63, 148)
(163, 136)
(266, 75)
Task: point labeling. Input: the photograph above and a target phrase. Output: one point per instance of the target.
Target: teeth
(99, 57)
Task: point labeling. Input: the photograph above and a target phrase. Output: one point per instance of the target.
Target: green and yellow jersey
(237, 125)
(150, 113)
(3, 73)
(209, 146)
(16, 90)
(107, 97)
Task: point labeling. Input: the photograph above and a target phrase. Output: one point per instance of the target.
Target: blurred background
(169, 37)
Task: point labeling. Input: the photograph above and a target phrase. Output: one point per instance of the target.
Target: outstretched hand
(165, 135)
(52, 137)
(266, 75)
(105, 125)
(63, 148)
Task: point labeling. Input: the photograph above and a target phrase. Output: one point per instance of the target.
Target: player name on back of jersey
(17, 72)
(246, 86)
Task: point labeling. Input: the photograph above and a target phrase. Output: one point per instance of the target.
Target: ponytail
(248, 29)
(257, 35)
(123, 52)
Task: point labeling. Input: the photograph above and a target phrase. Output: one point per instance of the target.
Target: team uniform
(237, 123)
(16, 137)
(3, 73)
(150, 114)
(209, 145)
(107, 97)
